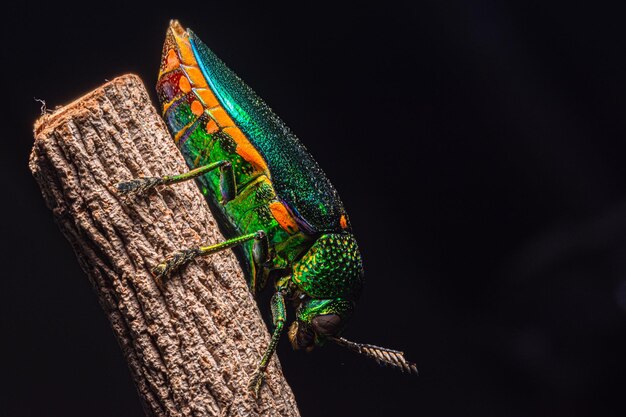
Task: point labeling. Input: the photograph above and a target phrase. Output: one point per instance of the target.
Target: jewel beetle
(270, 197)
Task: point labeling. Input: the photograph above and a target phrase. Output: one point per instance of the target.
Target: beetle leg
(180, 258)
(279, 316)
(261, 251)
(227, 180)
(261, 257)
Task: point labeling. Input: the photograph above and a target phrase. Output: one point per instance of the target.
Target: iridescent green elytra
(271, 198)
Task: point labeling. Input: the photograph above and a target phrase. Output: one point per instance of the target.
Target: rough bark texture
(192, 345)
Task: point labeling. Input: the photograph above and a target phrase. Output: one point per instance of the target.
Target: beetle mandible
(268, 194)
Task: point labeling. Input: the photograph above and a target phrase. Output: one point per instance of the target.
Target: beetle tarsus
(173, 262)
(138, 185)
(256, 382)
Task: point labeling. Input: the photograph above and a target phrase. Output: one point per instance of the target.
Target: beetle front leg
(279, 316)
(228, 186)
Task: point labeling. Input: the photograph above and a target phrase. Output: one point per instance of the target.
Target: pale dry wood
(192, 345)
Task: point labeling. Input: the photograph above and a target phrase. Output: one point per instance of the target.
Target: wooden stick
(193, 344)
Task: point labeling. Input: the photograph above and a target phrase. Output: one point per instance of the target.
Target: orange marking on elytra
(196, 108)
(195, 76)
(211, 126)
(182, 42)
(343, 222)
(245, 149)
(171, 60)
(283, 217)
(186, 53)
(207, 97)
(183, 84)
(221, 117)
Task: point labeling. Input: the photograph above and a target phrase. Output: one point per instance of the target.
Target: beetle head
(329, 277)
(318, 320)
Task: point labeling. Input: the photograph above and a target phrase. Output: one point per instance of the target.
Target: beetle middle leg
(279, 316)
(180, 258)
(228, 187)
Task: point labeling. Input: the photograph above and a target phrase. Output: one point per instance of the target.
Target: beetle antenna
(384, 356)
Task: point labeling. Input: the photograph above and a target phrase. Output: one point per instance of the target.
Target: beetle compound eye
(326, 324)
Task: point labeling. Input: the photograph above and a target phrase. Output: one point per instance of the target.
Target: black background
(478, 147)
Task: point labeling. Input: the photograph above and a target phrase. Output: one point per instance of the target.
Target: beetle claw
(138, 185)
(256, 382)
(173, 262)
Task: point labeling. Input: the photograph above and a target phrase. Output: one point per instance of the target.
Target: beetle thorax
(332, 267)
